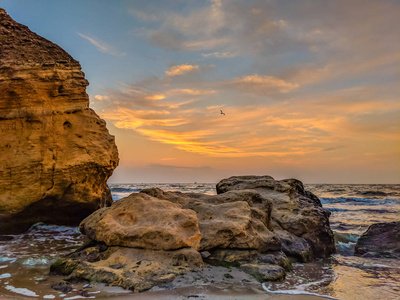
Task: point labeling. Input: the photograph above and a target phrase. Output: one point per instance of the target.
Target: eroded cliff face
(56, 154)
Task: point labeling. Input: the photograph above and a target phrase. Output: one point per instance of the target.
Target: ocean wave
(345, 237)
(48, 228)
(358, 201)
(124, 190)
(365, 210)
(345, 249)
(300, 290)
(373, 193)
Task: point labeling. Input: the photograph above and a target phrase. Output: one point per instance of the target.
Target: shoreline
(210, 292)
(202, 292)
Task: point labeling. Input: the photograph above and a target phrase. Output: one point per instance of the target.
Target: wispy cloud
(141, 15)
(181, 69)
(224, 54)
(262, 84)
(102, 46)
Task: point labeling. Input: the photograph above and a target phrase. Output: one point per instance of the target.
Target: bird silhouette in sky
(222, 113)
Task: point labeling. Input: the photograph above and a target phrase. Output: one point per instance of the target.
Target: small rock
(118, 266)
(264, 271)
(205, 254)
(62, 286)
(83, 293)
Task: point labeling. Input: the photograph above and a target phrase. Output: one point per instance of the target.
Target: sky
(310, 89)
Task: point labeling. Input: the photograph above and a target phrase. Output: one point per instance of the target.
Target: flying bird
(222, 113)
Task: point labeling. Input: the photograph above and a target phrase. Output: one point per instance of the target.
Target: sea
(25, 258)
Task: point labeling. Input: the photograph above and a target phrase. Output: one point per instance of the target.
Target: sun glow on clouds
(186, 118)
(275, 129)
(181, 69)
(296, 85)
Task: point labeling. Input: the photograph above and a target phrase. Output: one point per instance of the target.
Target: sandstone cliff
(56, 154)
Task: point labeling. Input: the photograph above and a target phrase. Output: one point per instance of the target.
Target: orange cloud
(181, 69)
(155, 97)
(194, 92)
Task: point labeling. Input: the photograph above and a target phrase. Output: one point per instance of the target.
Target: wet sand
(210, 282)
(209, 292)
(206, 292)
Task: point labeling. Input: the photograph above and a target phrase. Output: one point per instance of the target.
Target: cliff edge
(56, 154)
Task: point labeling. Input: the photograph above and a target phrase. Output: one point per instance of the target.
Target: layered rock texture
(297, 215)
(380, 240)
(55, 152)
(255, 223)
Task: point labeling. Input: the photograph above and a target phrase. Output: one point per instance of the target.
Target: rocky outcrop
(256, 224)
(297, 215)
(235, 220)
(142, 221)
(56, 154)
(380, 240)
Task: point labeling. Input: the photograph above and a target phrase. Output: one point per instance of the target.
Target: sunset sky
(310, 89)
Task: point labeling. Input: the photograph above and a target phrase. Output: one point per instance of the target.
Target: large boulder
(56, 154)
(297, 215)
(238, 219)
(380, 240)
(142, 221)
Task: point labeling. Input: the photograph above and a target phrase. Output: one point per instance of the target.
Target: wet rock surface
(165, 234)
(297, 215)
(130, 268)
(380, 240)
(56, 154)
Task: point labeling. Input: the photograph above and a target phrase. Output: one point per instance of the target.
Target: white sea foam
(5, 275)
(78, 297)
(300, 290)
(36, 261)
(21, 291)
(7, 259)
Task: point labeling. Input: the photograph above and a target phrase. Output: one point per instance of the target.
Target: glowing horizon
(309, 89)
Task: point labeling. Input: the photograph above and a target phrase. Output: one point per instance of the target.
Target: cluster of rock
(254, 222)
(380, 240)
(56, 154)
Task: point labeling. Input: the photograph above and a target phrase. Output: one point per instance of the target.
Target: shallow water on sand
(25, 258)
